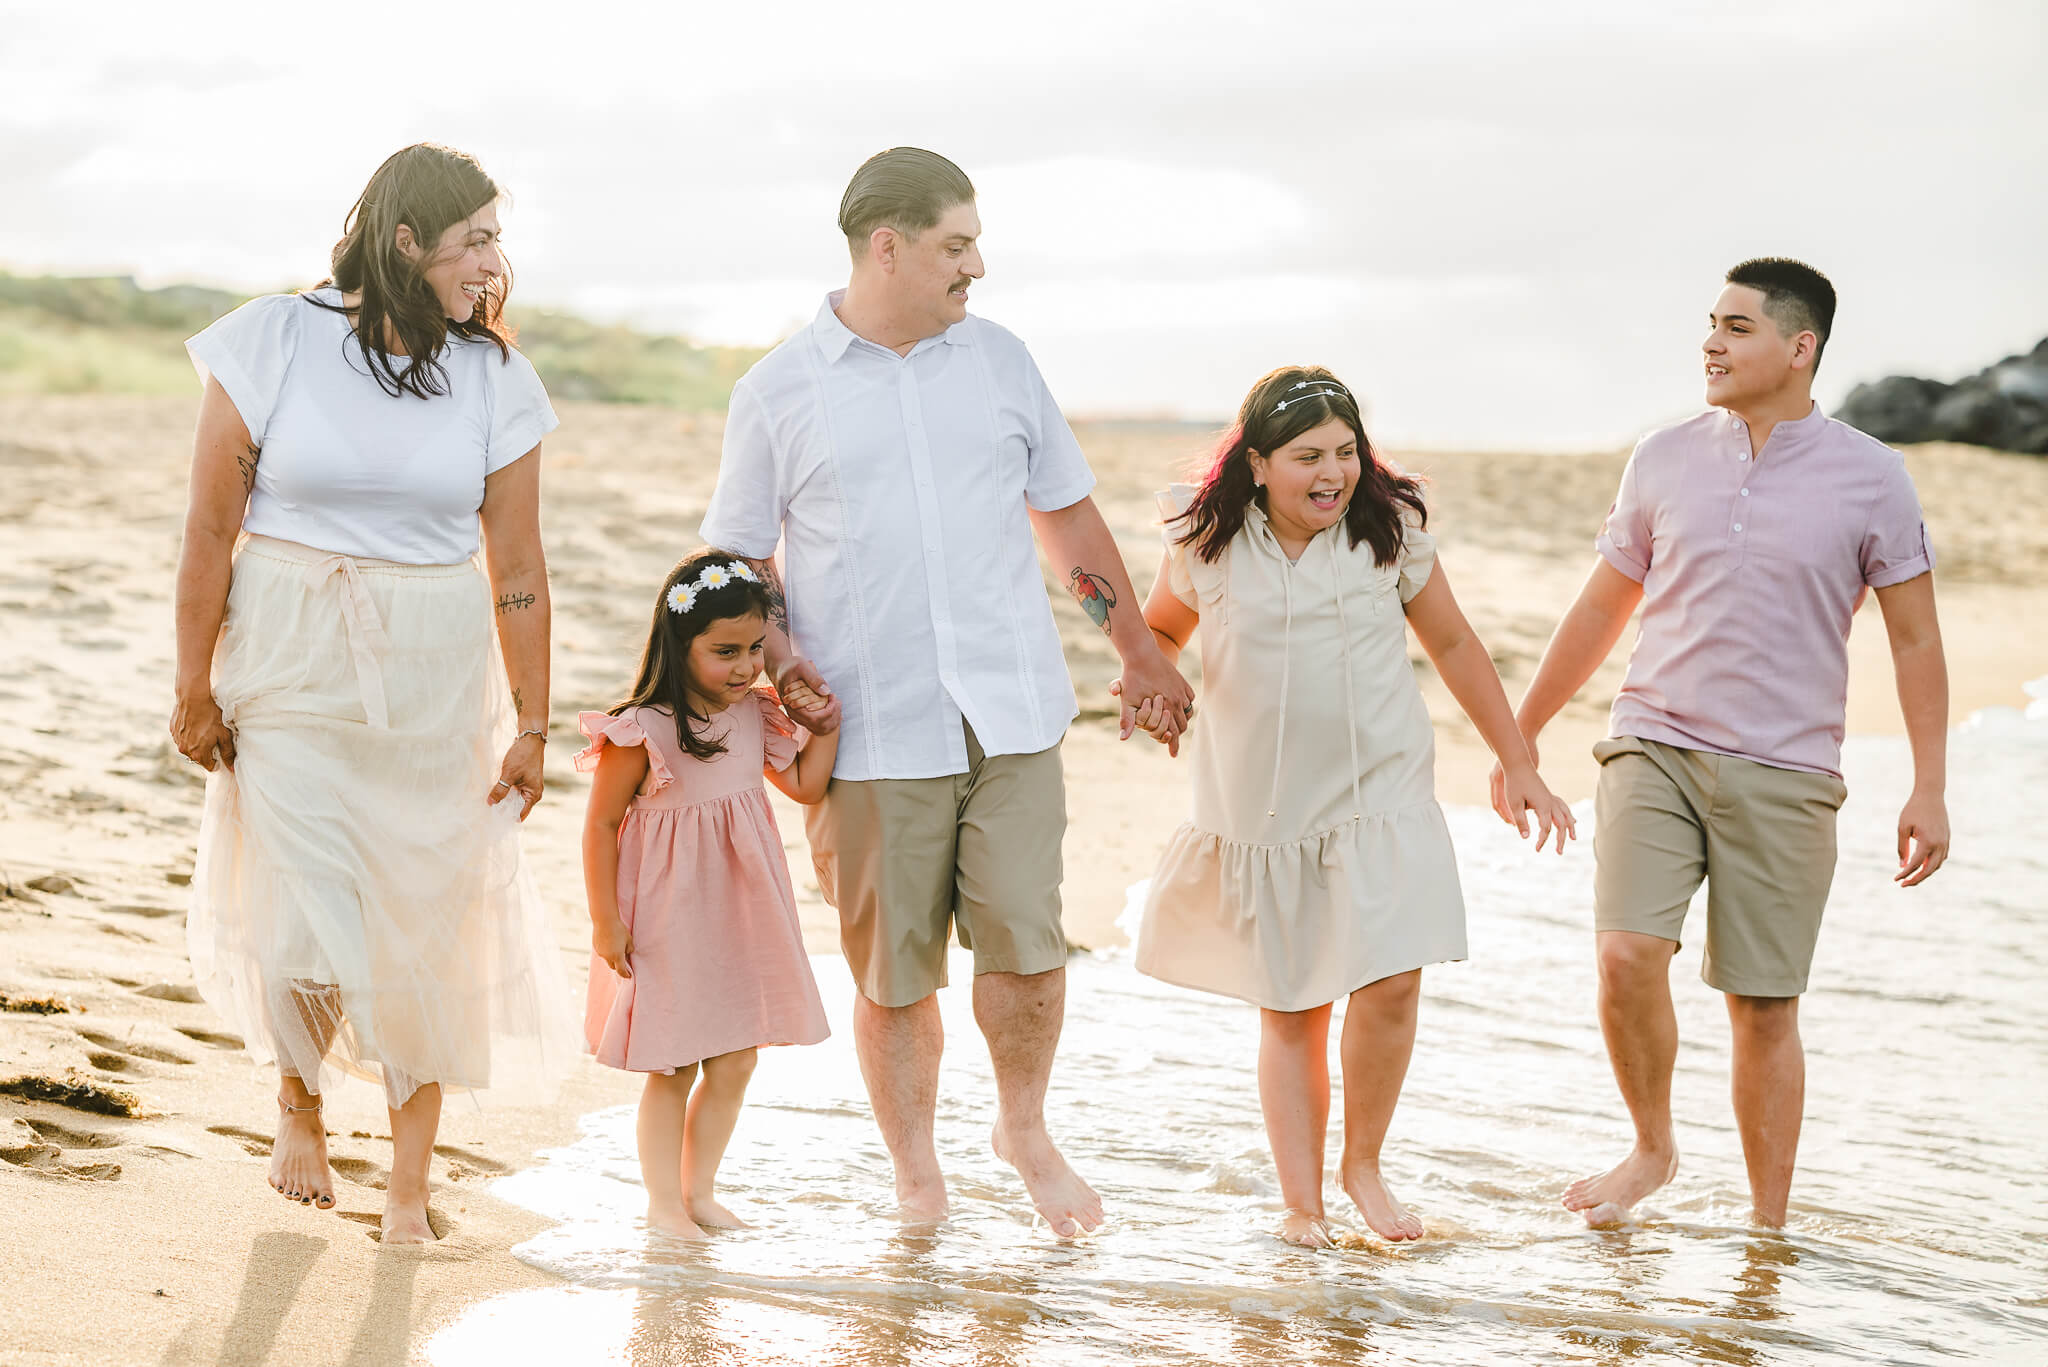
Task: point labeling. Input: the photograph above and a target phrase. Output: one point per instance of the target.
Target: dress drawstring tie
(366, 636)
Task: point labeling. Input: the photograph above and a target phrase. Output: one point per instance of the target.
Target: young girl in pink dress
(697, 957)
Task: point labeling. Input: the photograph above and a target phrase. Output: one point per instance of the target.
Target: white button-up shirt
(897, 487)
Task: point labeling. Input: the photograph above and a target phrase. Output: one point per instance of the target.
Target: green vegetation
(107, 335)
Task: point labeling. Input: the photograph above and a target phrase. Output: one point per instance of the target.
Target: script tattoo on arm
(246, 459)
(1094, 595)
(518, 701)
(508, 602)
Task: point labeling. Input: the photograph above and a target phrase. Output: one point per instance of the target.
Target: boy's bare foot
(298, 1158)
(1608, 1198)
(1368, 1191)
(1068, 1204)
(1307, 1230)
(921, 1202)
(405, 1220)
(676, 1221)
(711, 1215)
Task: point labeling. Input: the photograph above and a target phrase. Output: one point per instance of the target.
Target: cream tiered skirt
(357, 905)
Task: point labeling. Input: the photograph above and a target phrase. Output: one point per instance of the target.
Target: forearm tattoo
(518, 702)
(246, 458)
(511, 601)
(1094, 595)
(778, 607)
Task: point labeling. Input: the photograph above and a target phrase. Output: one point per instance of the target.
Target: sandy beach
(132, 1200)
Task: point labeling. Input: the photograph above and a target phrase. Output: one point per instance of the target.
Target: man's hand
(1923, 838)
(807, 697)
(1147, 677)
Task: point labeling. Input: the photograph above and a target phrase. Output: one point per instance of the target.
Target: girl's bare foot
(675, 1221)
(298, 1158)
(707, 1212)
(1368, 1191)
(1307, 1230)
(405, 1220)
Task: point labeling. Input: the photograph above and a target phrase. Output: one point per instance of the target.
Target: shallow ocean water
(1919, 1226)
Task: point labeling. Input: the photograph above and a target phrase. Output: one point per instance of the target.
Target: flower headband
(683, 597)
(1318, 389)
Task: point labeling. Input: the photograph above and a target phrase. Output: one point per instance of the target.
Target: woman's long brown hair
(427, 188)
(1265, 426)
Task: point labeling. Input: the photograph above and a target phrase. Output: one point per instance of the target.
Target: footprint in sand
(31, 1147)
(131, 1049)
(213, 1037)
(167, 992)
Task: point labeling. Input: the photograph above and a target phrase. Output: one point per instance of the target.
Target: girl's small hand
(521, 774)
(1523, 792)
(613, 943)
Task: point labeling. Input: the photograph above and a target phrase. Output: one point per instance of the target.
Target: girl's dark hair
(427, 188)
(664, 677)
(1267, 421)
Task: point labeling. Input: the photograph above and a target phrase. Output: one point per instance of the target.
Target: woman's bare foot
(1306, 1229)
(1068, 1204)
(676, 1222)
(298, 1158)
(1368, 1191)
(1608, 1198)
(405, 1220)
(708, 1213)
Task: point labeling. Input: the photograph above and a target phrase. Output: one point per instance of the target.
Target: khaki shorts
(1762, 838)
(904, 858)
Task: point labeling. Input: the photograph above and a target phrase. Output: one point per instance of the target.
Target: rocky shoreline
(2004, 406)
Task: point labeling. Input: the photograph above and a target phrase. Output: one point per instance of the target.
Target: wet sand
(132, 1133)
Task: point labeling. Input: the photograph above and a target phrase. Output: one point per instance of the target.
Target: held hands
(521, 774)
(1518, 793)
(1155, 718)
(200, 732)
(1152, 679)
(807, 697)
(613, 943)
(1923, 838)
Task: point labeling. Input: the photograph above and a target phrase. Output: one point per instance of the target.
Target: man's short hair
(1797, 297)
(905, 188)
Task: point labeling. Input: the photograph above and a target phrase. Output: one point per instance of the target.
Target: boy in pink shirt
(1748, 534)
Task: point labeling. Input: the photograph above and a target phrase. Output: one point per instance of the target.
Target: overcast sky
(1502, 222)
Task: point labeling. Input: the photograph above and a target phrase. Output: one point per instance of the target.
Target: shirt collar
(834, 337)
(1796, 432)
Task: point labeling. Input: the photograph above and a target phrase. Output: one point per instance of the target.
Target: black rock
(1899, 408)
(2004, 406)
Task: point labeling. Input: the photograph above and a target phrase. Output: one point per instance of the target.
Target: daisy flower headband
(683, 597)
(1311, 389)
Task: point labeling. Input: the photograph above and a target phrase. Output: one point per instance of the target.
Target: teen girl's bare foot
(1387, 1217)
(710, 1214)
(675, 1221)
(1306, 1230)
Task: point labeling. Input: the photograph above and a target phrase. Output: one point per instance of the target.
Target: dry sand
(133, 1210)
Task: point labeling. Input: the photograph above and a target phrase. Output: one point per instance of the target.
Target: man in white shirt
(904, 453)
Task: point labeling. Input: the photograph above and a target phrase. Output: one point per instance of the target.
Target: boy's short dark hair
(905, 188)
(1797, 297)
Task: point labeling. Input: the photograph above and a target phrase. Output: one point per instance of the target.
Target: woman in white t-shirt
(360, 904)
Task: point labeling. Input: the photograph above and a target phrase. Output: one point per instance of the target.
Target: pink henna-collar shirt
(1752, 568)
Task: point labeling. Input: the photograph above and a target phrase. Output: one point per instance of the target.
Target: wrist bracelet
(540, 731)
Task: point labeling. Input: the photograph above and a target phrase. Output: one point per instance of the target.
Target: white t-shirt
(347, 467)
(899, 488)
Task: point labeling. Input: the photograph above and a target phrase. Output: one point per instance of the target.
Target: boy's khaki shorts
(1763, 838)
(904, 858)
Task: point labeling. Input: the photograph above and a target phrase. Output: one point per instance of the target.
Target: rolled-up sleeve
(1895, 546)
(1058, 475)
(1624, 540)
(747, 504)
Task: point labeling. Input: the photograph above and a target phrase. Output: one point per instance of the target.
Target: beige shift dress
(1316, 860)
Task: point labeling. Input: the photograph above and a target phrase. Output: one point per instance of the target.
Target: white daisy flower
(679, 598)
(714, 578)
(742, 570)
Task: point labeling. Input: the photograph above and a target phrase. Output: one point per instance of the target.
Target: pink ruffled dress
(718, 957)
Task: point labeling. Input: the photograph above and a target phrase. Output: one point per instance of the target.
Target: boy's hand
(1523, 792)
(1923, 839)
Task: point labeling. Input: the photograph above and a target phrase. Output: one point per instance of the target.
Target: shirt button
(1742, 455)
(1745, 493)
(1738, 526)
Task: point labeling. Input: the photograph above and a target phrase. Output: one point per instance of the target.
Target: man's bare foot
(1306, 1229)
(298, 1159)
(1068, 1204)
(405, 1220)
(921, 1202)
(676, 1221)
(1387, 1217)
(1608, 1198)
(707, 1212)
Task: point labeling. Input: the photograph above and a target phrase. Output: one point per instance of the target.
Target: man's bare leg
(1294, 1094)
(1378, 1039)
(714, 1111)
(899, 1048)
(1769, 1090)
(413, 1127)
(1641, 1029)
(1020, 1016)
(298, 1156)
